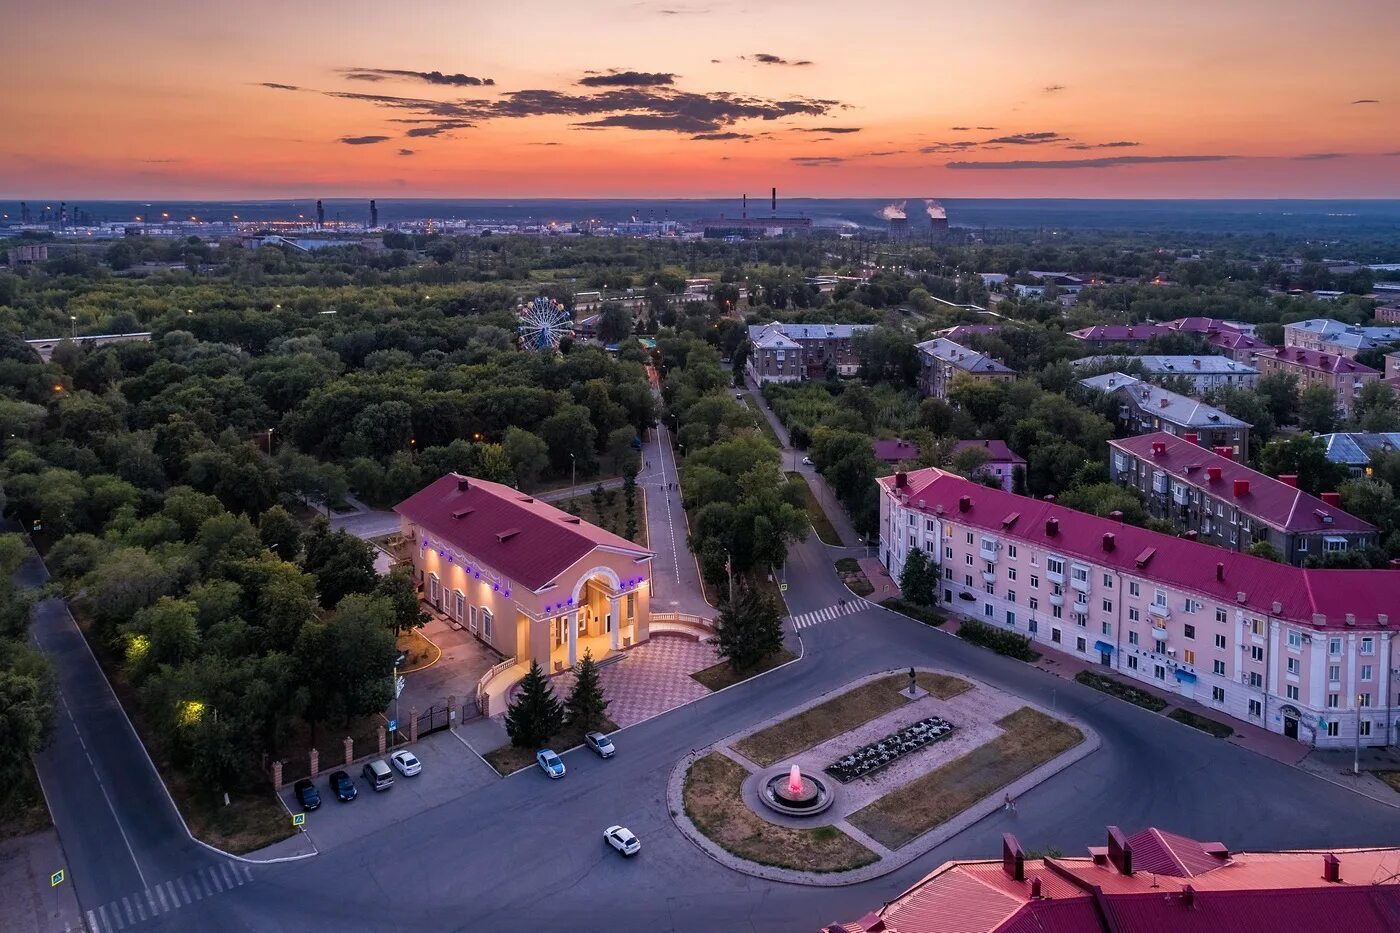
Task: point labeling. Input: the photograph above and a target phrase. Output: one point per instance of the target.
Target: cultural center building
(531, 581)
(1303, 652)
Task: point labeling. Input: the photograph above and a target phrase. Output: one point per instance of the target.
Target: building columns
(616, 622)
(573, 637)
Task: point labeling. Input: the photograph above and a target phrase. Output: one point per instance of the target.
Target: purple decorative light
(507, 592)
(571, 600)
(496, 587)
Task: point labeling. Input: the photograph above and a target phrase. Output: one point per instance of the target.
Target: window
(459, 605)
(969, 537)
(1256, 709)
(1079, 575)
(1011, 551)
(1055, 635)
(1294, 667)
(1159, 598)
(1364, 700)
(1295, 639)
(1334, 673)
(948, 553)
(1080, 644)
(1035, 582)
(1220, 616)
(991, 589)
(1256, 679)
(1257, 652)
(1332, 728)
(1220, 642)
(1292, 691)
(911, 521)
(1010, 618)
(930, 525)
(1032, 626)
(631, 606)
(1365, 672)
(1134, 615)
(1332, 700)
(1159, 672)
(1080, 619)
(1219, 668)
(987, 610)
(1334, 646)
(1011, 596)
(434, 589)
(967, 579)
(967, 559)
(1189, 631)
(1133, 589)
(1217, 694)
(1132, 662)
(1256, 626)
(1365, 725)
(1107, 628)
(1055, 565)
(486, 620)
(1108, 605)
(1011, 573)
(1057, 611)
(1033, 603)
(1132, 638)
(1368, 645)
(1188, 656)
(473, 620)
(1108, 581)
(1192, 606)
(947, 573)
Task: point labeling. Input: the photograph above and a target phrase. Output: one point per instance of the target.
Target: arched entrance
(1290, 716)
(600, 620)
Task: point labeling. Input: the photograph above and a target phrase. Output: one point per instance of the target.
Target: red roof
(1267, 499)
(1250, 582)
(1201, 325)
(1121, 333)
(526, 540)
(997, 451)
(1318, 359)
(893, 451)
(1248, 892)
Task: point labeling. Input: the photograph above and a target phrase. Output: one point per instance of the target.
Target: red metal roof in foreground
(1301, 594)
(1246, 892)
(529, 541)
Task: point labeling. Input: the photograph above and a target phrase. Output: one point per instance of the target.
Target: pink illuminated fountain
(795, 782)
(796, 794)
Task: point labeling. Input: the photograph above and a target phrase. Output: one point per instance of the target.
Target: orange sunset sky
(680, 98)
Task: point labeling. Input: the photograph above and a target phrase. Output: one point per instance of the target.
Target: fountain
(794, 794)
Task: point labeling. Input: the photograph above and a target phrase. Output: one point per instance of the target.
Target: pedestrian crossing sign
(298, 819)
(782, 587)
(56, 878)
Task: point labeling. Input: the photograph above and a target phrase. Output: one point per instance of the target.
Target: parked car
(550, 763)
(622, 839)
(306, 794)
(405, 761)
(600, 743)
(378, 774)
(807, 461)
(343, 787)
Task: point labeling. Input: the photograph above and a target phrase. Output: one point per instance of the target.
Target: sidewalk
(32, 903)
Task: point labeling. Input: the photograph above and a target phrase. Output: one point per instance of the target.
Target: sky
(700, 98)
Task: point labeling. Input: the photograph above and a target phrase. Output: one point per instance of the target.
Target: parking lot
(450, 770)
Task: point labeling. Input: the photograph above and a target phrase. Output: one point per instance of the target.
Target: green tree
(397, 587)
(527, 453)
(1317, 409)
(749, 629)
(341, 562)
(586, 706)
(1305, 457)
(280, 532)
(615, 322)
(535, 714)
(1279, 393)
(918, 581)
(350, 657)
(1265, 550)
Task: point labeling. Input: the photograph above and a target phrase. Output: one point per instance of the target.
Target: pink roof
(1201, 325)
(1318, 359)
(997, 451)
(1164, 853)
(893, 451)
(1267, 499)
(1121, 333)
(528, 541)
(1301, 594)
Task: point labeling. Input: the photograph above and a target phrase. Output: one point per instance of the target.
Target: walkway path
(675, 577)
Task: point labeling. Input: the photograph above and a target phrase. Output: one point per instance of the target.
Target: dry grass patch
(721, 675)
(1030, 740)
(1392, 778)
(850, 710)
(715, 805)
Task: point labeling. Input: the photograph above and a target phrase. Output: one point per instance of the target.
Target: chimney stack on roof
(1108, 540)
(1013, 858)
(1035, 889)
(964, 503)
(901, 479)
(1212, 473)
(1166, 402)
(1116, 515)
(1241, 488)
(1331, 868)
(1225, 451)
(1289, 479)
(463, 483)
(1333, 499)
(1159, 449)
(1220, 571)
(1120, 854)
(1192, 438)
(1052, 527)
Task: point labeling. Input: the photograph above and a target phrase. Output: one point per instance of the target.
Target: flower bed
(870, 758)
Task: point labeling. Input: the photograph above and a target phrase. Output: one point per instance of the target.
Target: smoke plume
(893, 211)
(935, 210)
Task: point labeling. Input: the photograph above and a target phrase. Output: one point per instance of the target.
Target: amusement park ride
(543, 323)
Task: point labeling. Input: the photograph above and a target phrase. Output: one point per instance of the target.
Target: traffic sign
(782, 587)
(298, 819)
(398, 686)
(56, 878)
(393, 724)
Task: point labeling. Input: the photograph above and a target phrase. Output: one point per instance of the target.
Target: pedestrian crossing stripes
(168, 896)
(818, 616)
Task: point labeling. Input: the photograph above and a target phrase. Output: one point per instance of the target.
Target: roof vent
(1166, 402)
(1331, 868)
(1333, 499)
(1108, 541)
(462, 513)
(1052, 527)
(1289, 479)
(572, 520)
(1276, 607)
(1220, 572)
(1192, 535)
(504, 536)
(1241, 596)
(1116, 515)
(463, 484)
(1212, 473)
(1319, 620)
(921, 503)
(1351, 618)
(938, 509)
(1158, 448)
(964, 503)
(1013, 858)
(1382, 619)
(1188, 897)
(1145, 557)
(1010, 520)
(1192, 438)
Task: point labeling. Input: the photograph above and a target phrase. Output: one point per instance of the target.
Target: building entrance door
(1290, 727)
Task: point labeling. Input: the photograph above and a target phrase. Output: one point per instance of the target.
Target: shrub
(1121, 690)
(921, 613)
(1001, 641)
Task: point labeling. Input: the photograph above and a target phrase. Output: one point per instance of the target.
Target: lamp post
(73, 325)
(269, 442)
(573, 476)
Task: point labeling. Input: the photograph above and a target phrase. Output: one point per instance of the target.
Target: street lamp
(269, 442)
(73, 323)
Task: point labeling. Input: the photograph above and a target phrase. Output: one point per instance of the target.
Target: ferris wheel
(543, 323)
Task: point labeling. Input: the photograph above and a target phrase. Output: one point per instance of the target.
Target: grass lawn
(421, 652)
(1122, 691)
(25, 811)
(840, 714)
(1204, 723)
(815, 513)
(715, 805)
(1390, 777)
(1030, 740)
(721, 675)
(613, 514)
(509, 758)
(761, 422)
(848, 568)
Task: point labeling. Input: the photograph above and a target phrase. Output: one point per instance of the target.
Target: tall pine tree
(586, 705)
(749, 628)
(536, 713)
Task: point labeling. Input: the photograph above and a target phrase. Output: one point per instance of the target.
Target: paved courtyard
(463, 663)
(649, 679)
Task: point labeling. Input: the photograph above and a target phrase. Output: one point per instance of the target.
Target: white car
(807, 461)
(406, 763)
(621, 839)
(550, 763)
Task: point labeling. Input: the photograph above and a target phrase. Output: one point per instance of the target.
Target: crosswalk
(168, 896)
(818, 616)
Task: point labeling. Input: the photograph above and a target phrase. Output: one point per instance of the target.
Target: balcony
(1159, 632)
(1080, 585)
(989, 554)
(1160, 611)
(989, 576)
(1057, 599)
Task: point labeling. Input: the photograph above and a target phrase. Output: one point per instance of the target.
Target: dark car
(307, 795)
(343, 786)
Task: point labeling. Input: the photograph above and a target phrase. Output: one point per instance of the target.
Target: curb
(430, 663)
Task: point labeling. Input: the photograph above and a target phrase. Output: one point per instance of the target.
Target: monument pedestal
(913, 693)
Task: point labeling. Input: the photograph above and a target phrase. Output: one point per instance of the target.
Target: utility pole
(1356, 753)
(573, 476)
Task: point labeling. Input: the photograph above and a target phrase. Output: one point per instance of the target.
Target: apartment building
(1301, 652)
(1002, 462)
(1338, 337)
(1358, 450)
(941, 360)
(1103, 336)
(1231, 339)
(794, 352)
(1204, 373)
(1144, 408)
(1343, 375)
(1221, 502)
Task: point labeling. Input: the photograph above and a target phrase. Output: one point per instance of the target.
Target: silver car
(600, 743)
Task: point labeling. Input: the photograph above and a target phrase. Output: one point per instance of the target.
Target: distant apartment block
(1338, 337)
(1344, 376)
(1203, 372)
(794, 352)
(1103, 336)
(1388, 314)
(1233, 339)
(1002, 462)
(1357, 451)
(1392, 366)
(941, 361)
(1221, 502)
(895, 450)
(1144, 408)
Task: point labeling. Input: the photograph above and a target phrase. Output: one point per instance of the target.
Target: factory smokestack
(62, 214)
(320, 215)
(373, 215)
(775, 202)
(24, 212)
(745, 213)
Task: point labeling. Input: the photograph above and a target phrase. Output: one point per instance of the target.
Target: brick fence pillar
(413, 725)
(381, 740)
(277, 775)
(315, 762)
(349, 749)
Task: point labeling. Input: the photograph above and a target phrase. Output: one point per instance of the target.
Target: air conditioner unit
(1171, 652)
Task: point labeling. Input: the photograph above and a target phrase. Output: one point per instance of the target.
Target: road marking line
(230, 878)
(151, 899)
(214, 879)
(140, 910)
(192, 892)
(247, 872)
(160, 896)
(130, 914)
(204, 883)
(102, 912)
(92, 922)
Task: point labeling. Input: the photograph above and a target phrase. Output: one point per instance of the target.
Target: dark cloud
(406, 152)
(989, 129)
(279, 87)
(829, 129)
(544, 144)
(1320, 156)
(716, 137)
(1052, 88)
(957, 146)
(361, 140)
(680, 123)
(1030, 139)
(814, 161)
(427, 77)
(1366, 100)
(629, 79)
(1106, 162)
(1118, 144)
(765, 58)
(886, 152)
(959, 129)
(437, 129)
